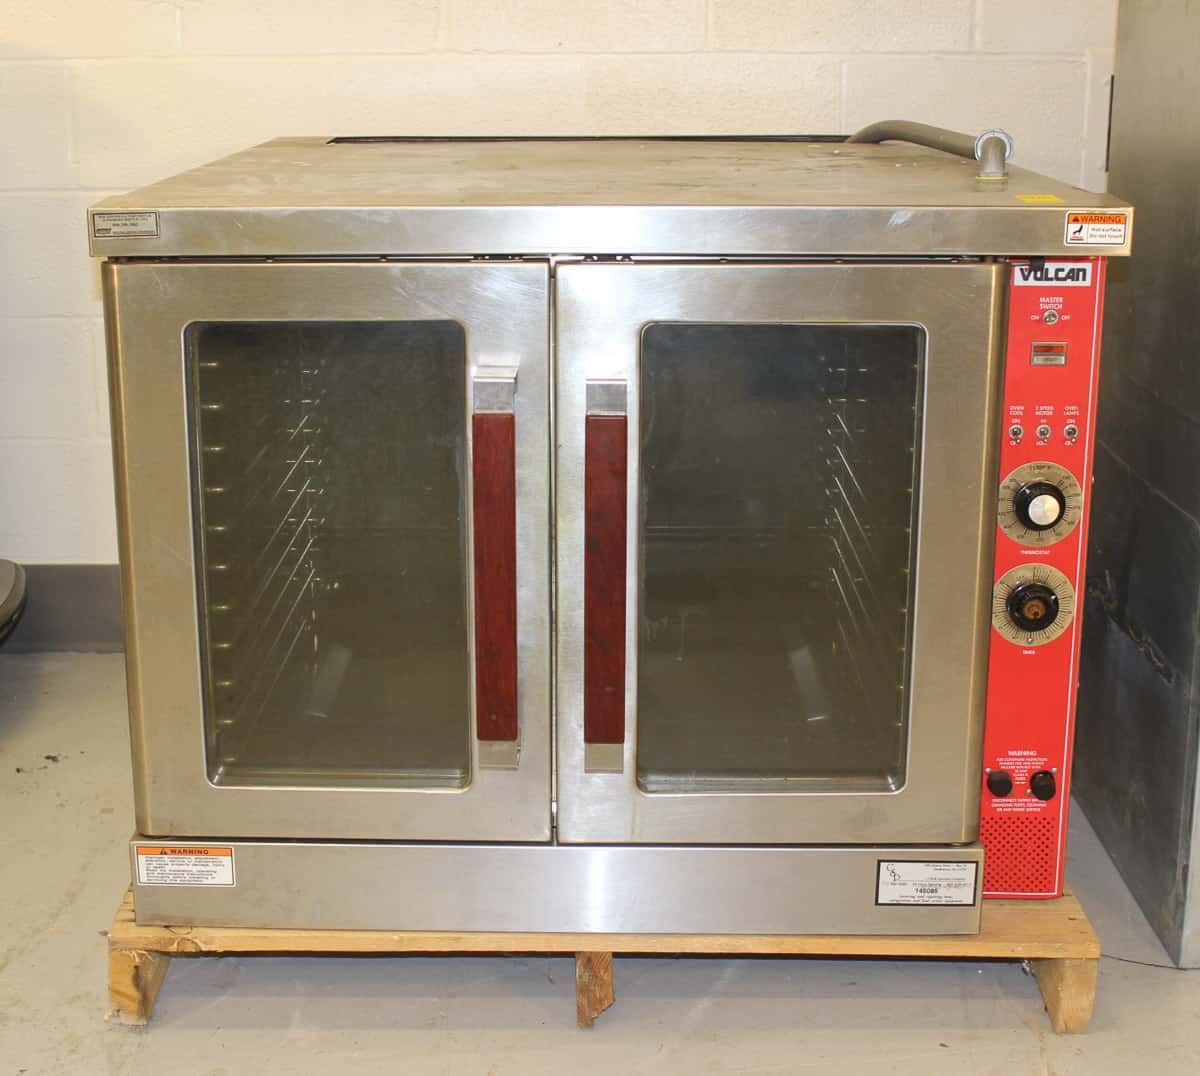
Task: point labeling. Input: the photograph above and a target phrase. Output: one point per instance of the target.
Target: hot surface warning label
(176, 865)
(1096, 229)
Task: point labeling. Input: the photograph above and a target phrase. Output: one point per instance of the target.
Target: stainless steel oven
(601, 534)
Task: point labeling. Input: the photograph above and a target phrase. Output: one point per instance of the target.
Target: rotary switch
(1040, 504)
(1032, 604)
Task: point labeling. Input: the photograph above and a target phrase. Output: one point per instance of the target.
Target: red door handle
(605, 533)
(494, 501)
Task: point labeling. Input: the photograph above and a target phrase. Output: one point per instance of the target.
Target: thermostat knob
(1033, 607)
(1039, 505)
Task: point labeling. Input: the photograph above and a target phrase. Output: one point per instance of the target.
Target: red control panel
(1049, 404)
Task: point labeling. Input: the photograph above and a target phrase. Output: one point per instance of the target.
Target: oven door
(776, 509)
(333, 494)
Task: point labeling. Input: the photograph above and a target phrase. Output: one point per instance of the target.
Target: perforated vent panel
(1021, 855)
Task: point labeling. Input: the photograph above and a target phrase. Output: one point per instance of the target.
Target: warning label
(176, 865)
(1096, 229)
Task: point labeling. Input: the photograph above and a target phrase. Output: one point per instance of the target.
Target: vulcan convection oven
(603, 534)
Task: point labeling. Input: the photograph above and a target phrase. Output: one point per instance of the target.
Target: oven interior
(777, 470)
(329, 489)
(776, 514)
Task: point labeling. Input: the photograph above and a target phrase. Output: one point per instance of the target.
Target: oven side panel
(1053, 343)
(129, 580)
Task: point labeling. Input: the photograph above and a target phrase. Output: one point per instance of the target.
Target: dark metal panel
(1138, 715)
(1135, 761)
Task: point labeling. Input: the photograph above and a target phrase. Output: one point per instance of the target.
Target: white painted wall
(97, 96)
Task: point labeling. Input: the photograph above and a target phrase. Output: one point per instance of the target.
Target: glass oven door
(775, 508)
(334, 485)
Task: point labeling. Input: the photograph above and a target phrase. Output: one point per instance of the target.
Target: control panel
(1049, 402)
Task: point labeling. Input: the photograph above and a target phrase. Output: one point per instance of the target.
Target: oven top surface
(313, 197)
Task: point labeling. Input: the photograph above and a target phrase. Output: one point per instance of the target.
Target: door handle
(494, 509)
(606, 455)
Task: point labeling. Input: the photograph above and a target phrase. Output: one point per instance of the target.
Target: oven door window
(777, 514)
(328, 470)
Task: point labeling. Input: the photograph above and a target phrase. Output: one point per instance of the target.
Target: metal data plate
(310, 197)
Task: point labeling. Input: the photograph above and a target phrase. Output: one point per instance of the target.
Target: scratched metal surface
(307, 196)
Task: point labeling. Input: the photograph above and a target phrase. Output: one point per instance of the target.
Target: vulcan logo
(1054, 274)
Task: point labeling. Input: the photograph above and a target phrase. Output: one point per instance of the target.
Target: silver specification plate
(121, 225)
(921, 882)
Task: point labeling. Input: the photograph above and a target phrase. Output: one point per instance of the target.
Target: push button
(1043, 785)
(999, 782)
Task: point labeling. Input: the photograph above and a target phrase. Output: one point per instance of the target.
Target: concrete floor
(66, 813)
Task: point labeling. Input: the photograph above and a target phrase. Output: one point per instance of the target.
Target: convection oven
(603, 534)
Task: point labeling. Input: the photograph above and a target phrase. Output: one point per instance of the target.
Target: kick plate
(567, 888)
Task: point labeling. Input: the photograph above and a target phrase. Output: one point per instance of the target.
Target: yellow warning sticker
(1096, 229)
(1040, 199)
(169, 864)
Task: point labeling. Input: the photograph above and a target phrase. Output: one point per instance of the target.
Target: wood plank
(134, 979)
(495, 537)
(1069, 991)
(604, 534)
(1021, 930)
(594, 991)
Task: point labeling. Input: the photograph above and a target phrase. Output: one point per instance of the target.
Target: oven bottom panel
(909, 889)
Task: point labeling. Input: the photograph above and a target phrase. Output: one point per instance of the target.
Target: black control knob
(1043, 785)
(1032, 606)
(1039, 505)
(999, 782)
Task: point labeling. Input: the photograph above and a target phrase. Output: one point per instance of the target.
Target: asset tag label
(121, 225)
(1096, 229)
(917, 882)
(177, 865)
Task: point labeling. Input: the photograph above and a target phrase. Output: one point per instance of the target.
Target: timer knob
(1039, 505)
(1032, 606)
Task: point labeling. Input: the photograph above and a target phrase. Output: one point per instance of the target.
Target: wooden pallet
(1053, 937)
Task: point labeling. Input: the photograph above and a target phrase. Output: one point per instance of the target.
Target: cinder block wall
(96, 97)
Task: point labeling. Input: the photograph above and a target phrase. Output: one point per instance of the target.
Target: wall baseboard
(70, 607)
